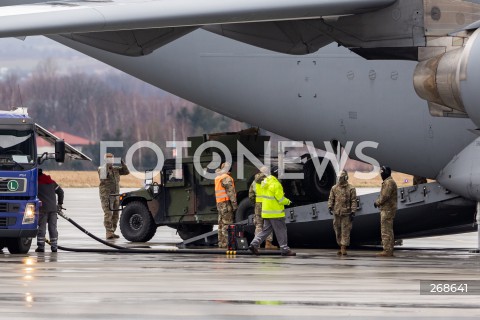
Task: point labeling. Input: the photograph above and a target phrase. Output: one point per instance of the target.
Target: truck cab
(19, 203)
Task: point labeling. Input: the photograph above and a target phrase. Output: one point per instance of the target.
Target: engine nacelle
(453, 79)
(462, 174)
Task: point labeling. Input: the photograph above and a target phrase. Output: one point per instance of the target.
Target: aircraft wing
(70, 151)
(58, 17)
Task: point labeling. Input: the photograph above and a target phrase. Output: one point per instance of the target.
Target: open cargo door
(70, 151)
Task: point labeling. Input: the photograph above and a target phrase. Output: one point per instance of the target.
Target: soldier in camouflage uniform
(226, 198)
(342, 203)
(387, 202)
(110, 184)
(259, 177)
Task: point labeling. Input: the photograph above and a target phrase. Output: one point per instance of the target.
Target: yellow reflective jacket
(273, 198)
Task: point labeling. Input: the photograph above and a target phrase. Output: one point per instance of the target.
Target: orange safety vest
(220, 192)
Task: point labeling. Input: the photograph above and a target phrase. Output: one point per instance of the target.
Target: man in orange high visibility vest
(226, 198)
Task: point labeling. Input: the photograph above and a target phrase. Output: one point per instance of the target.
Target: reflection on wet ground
(314, 284)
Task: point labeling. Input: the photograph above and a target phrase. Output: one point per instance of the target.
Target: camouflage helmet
(225, 167)
(343, 176)
(265, 170)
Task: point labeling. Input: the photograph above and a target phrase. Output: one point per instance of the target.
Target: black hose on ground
(175, 251)
(60, 213)
(120, 249)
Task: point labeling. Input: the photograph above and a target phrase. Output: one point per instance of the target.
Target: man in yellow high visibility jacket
(257, 201)
(270, 190)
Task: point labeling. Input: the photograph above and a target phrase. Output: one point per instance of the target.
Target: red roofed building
(75, 141)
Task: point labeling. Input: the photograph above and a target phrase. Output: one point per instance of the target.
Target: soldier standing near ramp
(110, 184)
(226, 198)
(259, 177)
(387, 202)
(342, 203)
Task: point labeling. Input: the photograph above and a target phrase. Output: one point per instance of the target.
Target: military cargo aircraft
(402, 73)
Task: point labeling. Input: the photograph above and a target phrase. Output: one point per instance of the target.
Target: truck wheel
(245, 208)
(19, 245)
(188, 231)
(318, 188)
(136, 223)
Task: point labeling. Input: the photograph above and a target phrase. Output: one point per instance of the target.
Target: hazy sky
(24, 55)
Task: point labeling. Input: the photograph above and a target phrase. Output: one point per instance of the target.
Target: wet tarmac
(315, 284)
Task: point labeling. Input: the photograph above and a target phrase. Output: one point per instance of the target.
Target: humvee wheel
(136, 223)
(245, 208)
(319, 187)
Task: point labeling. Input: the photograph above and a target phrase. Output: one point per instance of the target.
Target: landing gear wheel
(136, 223)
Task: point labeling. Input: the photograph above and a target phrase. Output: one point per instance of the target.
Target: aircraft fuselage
(330, 95)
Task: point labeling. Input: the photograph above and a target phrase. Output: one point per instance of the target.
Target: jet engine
(462, 174)
(452, 79)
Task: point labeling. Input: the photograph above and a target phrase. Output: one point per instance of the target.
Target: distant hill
(99, 106)
(22, 56)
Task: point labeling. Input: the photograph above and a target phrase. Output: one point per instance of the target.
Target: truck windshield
(17, 149)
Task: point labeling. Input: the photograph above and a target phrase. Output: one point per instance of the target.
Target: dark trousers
(279, 227)
(50, 218)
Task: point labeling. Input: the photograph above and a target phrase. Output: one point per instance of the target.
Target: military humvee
(183, 199)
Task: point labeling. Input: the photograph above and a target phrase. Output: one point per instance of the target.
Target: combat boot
(39, 249)
(288, 253)
(254, 250)
(385, 254)
(116, 236)
(222, 245)
(339, 252)
(269, 245)
(343, 250)
(110, 235)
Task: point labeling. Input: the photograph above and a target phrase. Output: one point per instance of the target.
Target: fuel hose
(121, 249)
